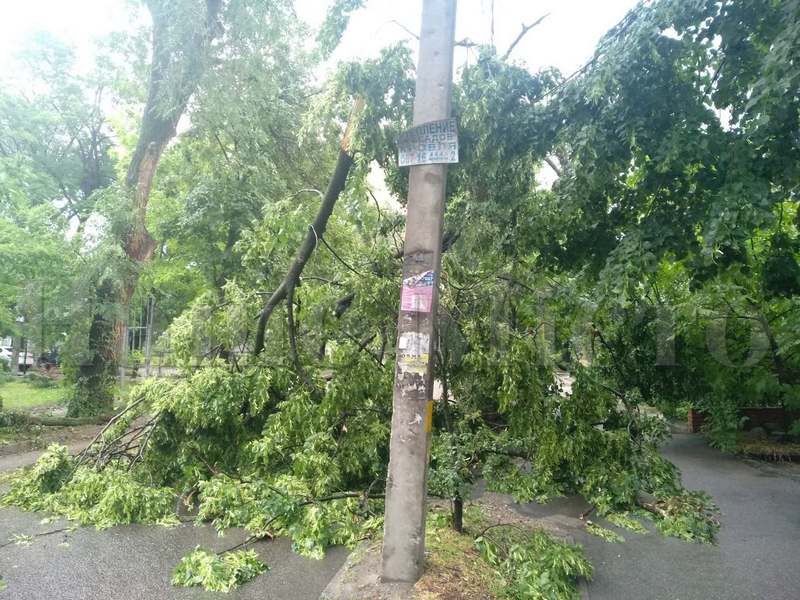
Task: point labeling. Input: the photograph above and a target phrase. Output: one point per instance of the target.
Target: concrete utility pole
(404, 534)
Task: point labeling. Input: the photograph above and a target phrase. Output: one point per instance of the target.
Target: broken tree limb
(553, 165)
(525, 30)
(62, 421)
(314, 233)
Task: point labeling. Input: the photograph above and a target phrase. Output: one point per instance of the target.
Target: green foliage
(335, 25)
(54, 154)
(217, 573)
(690, 516)
(48, 474)
(12, 420)
(660, 270)
(100, 498)
(534, 565)
(626, 521)
(135, 360)
(452, 460)
(605, 534)
(112, 497)
(282, 507)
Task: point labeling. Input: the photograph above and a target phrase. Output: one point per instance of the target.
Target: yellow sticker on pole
(429, 417)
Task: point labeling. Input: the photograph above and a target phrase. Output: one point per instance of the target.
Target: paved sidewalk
(758, 554)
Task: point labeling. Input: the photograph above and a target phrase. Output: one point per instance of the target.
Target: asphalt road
(758, 554)
(136, 562)
(757, 557)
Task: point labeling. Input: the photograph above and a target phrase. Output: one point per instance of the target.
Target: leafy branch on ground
(215, 572)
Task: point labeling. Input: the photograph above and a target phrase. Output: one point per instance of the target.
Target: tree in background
(54, 154)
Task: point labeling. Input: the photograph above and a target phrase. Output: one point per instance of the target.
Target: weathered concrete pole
(404, 534)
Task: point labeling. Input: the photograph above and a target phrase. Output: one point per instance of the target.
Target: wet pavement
(136, 561)
(757, 557)
(758, 552)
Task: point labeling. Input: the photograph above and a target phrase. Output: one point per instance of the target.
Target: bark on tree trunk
(93, 392)
(15, 344)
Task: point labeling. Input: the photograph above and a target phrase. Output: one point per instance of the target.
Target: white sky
(565, 39)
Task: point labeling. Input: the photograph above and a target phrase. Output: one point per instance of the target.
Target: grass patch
(22, 396)
(454, 567)
(495, 560)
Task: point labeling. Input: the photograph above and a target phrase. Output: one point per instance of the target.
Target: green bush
(12, 420)
(135, 361)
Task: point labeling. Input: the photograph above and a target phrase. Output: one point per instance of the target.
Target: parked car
(48, 360)
(6, 354)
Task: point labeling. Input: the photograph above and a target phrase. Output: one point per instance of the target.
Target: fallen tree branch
(404, 28)
(37, 535)
(495, 525)
(266, 534)
(63, 421)
(315, 231)
(653, 508)
(337, 257)
(552, 165)
(113, 420)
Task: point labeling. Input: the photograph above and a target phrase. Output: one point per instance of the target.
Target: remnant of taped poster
(417, 294)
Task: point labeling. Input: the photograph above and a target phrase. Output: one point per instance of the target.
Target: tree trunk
(458, 514)
(93, 393)
(15, 344)
(159, 126)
